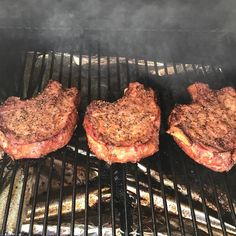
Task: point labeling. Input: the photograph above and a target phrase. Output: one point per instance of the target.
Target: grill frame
(118, 173)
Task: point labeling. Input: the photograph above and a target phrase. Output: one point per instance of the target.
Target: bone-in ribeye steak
(37, 126)
(206, 129)
(126, 130)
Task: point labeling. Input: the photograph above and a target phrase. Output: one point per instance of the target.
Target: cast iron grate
(70, 192)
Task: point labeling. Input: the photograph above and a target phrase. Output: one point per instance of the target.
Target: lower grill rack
(70, 192)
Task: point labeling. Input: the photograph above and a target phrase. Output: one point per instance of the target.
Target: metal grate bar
(229, 198)
(190, 200)
(219, 76)
(204, 70)
(214, 71)
(70, 70)
(154, 227)
(75, 164)
(156, 69)
(41, 73)
(164, 199)
(203, 200)
(29, 93)
(108, 79)
(127, 69)
(61, 68)
(99, 199)
(59, 218)
(21, 204)
(200, 78)
(99, 73)
(204, 206)
(86, 195)
(187, 183)
(136, 68)
(100, 162)
(177, 199)
(165, 68)
(168, 228)
(126, 207)
(185, 70)
(219, 210)
(45, 220)
(52, 65)
(201, 184)
(88, 158)
(118, 75)
(175, 180)
(3, 164)
(80, 68)
(147, 80)
(113, 220)
(35, 194)
(89, 79)
(140, 224)
(21, 84)
(72, 227)
(4, 224)
(174, 66)
(120, 180)
(30, 90)
(148, 171)
(119, 194)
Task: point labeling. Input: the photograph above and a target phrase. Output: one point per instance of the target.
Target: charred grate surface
(70, 192)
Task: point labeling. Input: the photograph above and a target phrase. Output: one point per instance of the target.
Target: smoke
(129, 22)
(198, 15)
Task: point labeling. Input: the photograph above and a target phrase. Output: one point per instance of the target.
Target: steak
(206, 129)
(37, 126)
(126, 130)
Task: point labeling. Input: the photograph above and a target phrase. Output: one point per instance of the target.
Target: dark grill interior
(70, 192)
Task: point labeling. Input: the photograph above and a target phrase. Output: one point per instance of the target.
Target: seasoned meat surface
(131, 122)
(207, 127)
(34, 127)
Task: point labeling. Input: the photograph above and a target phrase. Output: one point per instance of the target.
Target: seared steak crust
(34, 127)
(206, 129)
(126, 130)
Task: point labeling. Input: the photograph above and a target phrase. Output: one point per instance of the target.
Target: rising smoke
(139, 14)
(129, 22)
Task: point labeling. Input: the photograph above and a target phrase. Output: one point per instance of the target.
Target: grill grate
(71, 192)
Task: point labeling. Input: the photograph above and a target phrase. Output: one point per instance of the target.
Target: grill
(70, 192)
